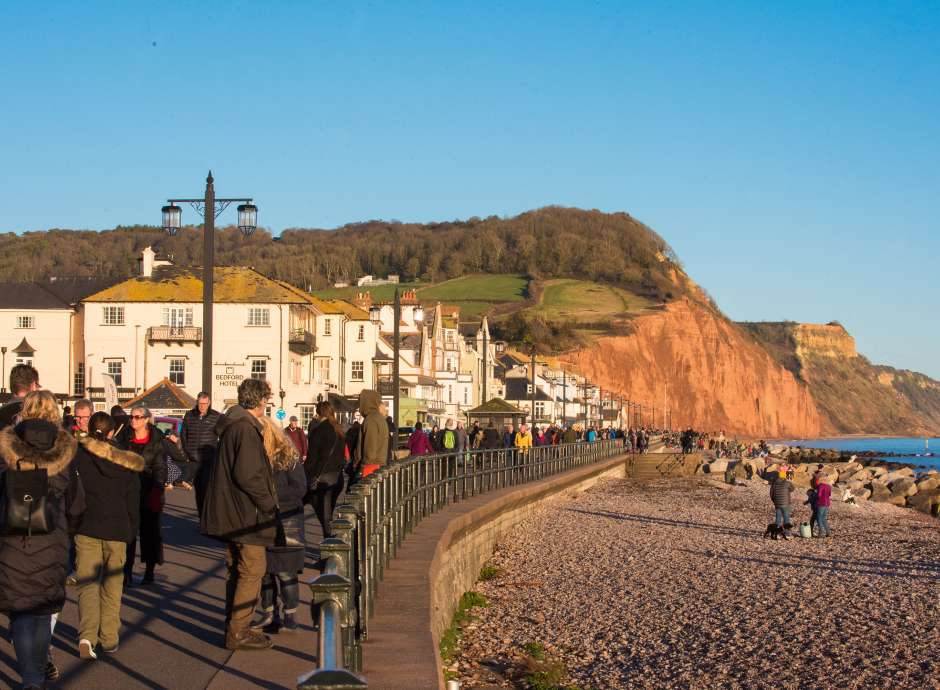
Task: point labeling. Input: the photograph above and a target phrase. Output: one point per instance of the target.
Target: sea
(912, 447)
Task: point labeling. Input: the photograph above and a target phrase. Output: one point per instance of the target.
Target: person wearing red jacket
(419, 443)
(823, 502)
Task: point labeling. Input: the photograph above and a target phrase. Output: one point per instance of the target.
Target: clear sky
(790, 151)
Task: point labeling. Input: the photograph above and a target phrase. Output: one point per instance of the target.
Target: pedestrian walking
(284, 561)
(37, 455)
(781, 492)
(372, 448)
(297, 436)
(326, 458)
(491, 439)
(418, 442)
(199, 441)
(109, 523)
(240, 510)
(143, 438)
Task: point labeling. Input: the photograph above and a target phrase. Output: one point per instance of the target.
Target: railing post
(329, 591)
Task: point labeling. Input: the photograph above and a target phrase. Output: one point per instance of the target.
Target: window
(323, 370)
(259, 316)
(306, 413)
(78, 380)
(259, 369)
(539, 409)
(450, 394)
(25, 359)
(177, 317)
(466, 395)
(358, 371)
(327, 326)
(113, 316)
(178, 371)
(116, 370)
(528, 389)
(26, 322)
(361, 336)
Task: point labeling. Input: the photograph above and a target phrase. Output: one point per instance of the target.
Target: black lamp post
(375, 316)
(3, 370)
(209, 208)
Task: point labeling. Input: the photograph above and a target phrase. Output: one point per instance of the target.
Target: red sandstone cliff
(711, 374)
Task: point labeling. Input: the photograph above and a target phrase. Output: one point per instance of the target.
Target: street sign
(280, 414)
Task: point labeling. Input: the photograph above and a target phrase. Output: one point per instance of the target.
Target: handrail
(381, 510)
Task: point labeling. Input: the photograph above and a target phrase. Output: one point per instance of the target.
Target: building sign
(231, 376)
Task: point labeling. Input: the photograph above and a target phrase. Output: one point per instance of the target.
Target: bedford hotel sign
(230, 377)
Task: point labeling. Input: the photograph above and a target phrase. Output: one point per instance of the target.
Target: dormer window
(26, 322)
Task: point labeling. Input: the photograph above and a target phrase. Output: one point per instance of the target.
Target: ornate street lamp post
(375, 315)
(209, 208)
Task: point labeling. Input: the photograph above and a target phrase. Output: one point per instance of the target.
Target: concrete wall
(469, 540)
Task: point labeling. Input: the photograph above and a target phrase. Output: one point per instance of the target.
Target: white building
(150, 327)
(41, 325)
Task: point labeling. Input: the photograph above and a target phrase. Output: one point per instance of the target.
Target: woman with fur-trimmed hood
(112, 494)
(284, 562)
(33, 568)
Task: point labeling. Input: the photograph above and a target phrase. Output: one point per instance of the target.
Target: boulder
(927, 501)
(899, 473)
(928, 484)
(856, 486)
(717, 466)
(878, 471)
(897, 500)
(880, 492)
(904, 487)
(863, 494)
(864, 476)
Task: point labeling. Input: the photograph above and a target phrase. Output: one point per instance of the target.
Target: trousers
(100, 574)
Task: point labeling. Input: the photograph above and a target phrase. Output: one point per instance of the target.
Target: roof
(29, 296)
(350, 310)
(74, 290)
(496, 405)
(410, 341)
(233, 284)
(517, 389)
(163, 395)
(24, 348)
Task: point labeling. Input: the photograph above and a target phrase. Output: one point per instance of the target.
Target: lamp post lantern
(396, 347)
(209, 207)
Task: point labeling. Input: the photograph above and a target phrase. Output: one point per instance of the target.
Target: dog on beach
(774, 532)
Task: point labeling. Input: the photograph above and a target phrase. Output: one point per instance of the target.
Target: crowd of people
(102, 481)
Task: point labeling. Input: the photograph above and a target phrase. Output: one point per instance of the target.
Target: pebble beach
(669, 583)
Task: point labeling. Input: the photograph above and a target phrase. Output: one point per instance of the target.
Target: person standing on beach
(781, 493)
(823, 501)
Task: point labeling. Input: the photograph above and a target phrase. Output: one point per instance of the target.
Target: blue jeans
(822, 517)
(782, 516)
(31, 636)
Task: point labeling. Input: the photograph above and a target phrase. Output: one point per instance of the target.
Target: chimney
(146, 260)
(363, 300)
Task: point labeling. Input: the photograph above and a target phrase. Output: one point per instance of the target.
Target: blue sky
(790, 152)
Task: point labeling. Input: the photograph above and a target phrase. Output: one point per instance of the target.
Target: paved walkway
(172, 634)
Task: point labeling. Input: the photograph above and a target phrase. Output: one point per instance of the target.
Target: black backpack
(25, 506)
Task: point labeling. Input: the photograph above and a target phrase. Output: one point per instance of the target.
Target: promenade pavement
(172, 633)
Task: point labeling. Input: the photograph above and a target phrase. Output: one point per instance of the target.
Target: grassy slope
(478, 288)
(583, 301)
(380, 293)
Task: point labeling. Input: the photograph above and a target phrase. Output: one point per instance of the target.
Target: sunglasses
(138, 416)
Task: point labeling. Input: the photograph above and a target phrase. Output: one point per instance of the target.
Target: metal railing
(382, 509)
(175, 333)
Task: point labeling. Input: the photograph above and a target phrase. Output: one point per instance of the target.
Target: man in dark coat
(199, 441)
(23, 379)
(491, 439)
(239, 508)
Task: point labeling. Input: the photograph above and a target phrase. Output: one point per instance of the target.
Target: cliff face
(854, 395)
(708, 371)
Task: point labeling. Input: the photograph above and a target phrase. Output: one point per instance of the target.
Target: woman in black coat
(326, 458)
(33, 567)
(148, 441)
(285, 561)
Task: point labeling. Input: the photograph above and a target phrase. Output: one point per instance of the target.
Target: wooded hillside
(548, 242)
